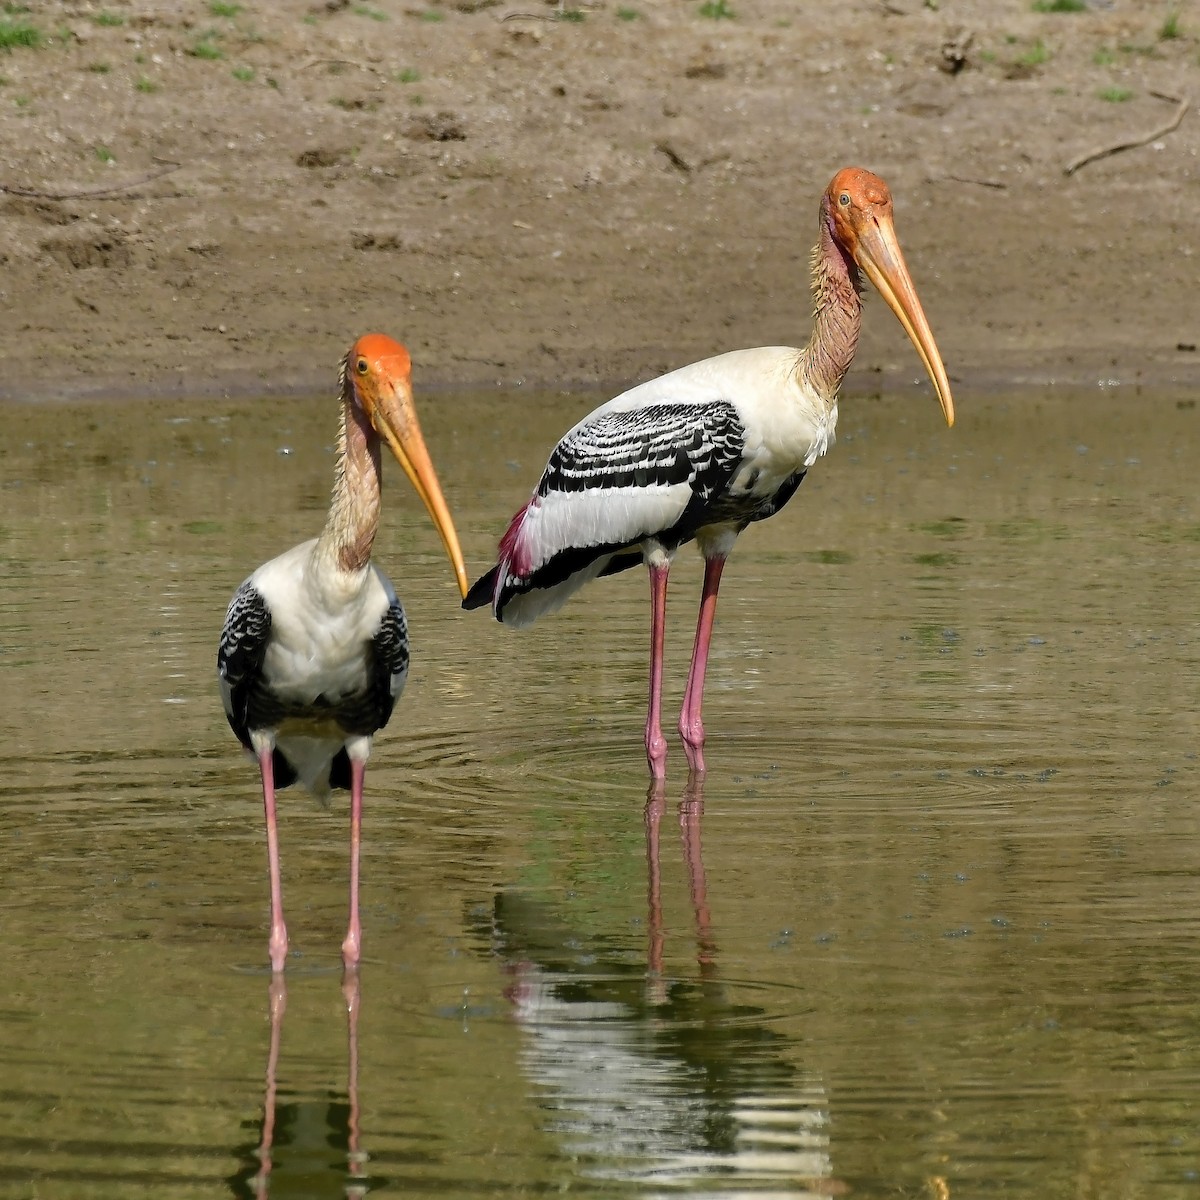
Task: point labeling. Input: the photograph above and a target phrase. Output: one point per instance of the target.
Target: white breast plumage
(318, 647)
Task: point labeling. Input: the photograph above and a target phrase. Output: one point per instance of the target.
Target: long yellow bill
(412, 455)
(877, 251)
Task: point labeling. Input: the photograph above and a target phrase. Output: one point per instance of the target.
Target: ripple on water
(676, 1001)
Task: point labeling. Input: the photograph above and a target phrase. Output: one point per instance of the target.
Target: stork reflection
(307, 1146)
(648, 1074)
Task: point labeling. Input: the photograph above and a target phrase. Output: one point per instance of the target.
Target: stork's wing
(391, 657)
(240, 655)
(660, 445)
(619, 477)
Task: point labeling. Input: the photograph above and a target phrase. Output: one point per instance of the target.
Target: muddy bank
(587, 197)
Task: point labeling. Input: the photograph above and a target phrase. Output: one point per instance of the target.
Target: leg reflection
(277, 1004)
(355, 1157)
(309, 1144)
(655, 805)
(691, 814)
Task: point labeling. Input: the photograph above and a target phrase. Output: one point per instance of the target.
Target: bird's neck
(837, 318)
(354, 512)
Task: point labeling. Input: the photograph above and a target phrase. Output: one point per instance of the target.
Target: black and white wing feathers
(240, 656)
(660, 445)
(387, 670)
(623, 476)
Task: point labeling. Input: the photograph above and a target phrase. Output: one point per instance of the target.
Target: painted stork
(314, 652)
(704, 451)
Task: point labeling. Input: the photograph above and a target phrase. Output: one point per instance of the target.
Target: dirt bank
(595, 194)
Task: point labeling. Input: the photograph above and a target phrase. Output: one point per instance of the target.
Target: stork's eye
(361, 366)
(844, 199)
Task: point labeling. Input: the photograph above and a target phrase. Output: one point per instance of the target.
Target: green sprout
(1035, 56)
(205, 48)
(19, 33)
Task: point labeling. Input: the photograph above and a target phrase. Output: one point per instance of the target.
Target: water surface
(929, 927)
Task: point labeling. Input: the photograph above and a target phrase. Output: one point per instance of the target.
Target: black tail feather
(283, 771)
(339, 770)
(482, 590)
(622, 562)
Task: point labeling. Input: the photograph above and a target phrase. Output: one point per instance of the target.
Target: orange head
(857, 210)
(851, 195)
(376, 361)
(378, 379)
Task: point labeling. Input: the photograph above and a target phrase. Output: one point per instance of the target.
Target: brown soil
(597, 194)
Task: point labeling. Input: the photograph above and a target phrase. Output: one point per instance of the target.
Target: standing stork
(314, 652)
(704, 451)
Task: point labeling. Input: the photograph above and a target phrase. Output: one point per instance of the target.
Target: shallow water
(930, 928)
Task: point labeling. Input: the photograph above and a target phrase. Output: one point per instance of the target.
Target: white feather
(612, 517)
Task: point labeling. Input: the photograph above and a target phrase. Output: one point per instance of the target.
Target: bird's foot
(655, 794)
(278, 947)
(278, 996)
(657, 760)
(693, 744)
(350, 948)
(656, 754)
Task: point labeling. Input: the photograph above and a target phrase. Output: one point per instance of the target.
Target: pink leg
(656, 744)
(691, 724)
(278, 944)
(350, 946)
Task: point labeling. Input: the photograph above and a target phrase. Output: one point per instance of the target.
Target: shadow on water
(306, 1147)
(653, 1078)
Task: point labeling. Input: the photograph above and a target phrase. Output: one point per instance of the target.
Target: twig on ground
(339, 62)
(38, 194)
(1104, 151)
(988, 183)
